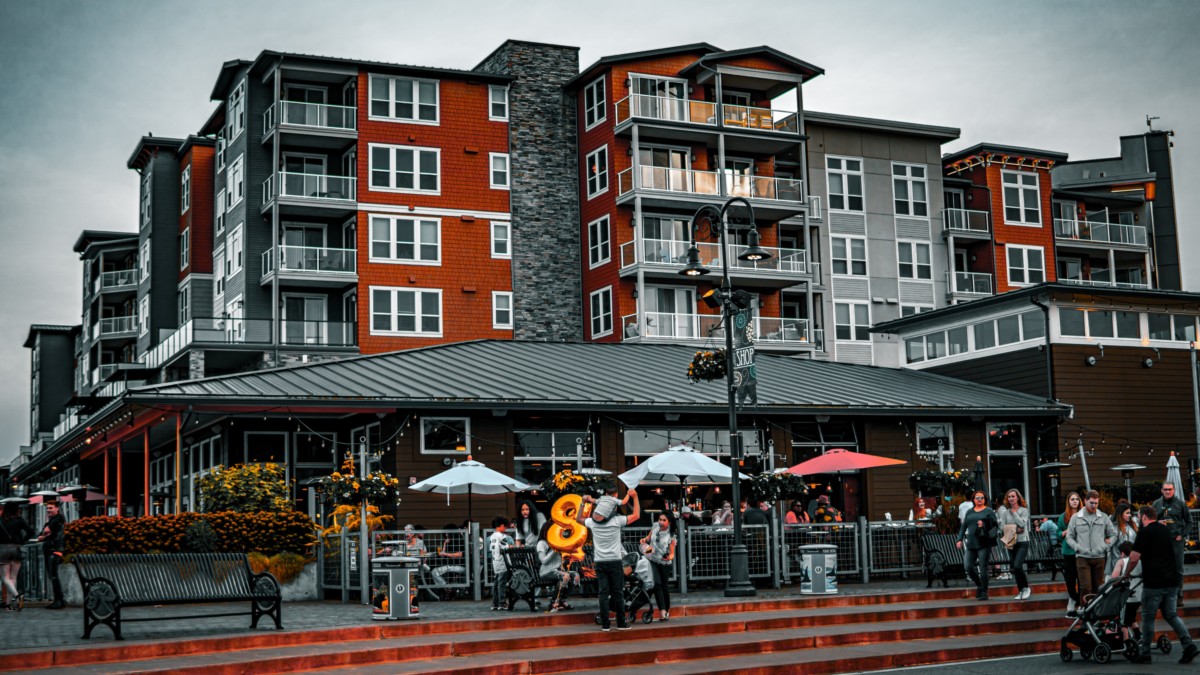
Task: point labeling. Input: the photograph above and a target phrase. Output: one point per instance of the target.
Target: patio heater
(1127, 473)
(1053, 468)
(719, 229)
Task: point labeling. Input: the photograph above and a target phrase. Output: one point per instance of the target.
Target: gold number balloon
(566, 535)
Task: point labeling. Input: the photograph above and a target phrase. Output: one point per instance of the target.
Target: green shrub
(267, 532)
(245, 488)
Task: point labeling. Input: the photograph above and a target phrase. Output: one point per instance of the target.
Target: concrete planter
(304, 587)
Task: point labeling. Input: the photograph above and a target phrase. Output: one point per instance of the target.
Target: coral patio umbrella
(838, 460)
(42, 496)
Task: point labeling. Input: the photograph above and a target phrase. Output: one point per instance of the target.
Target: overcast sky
(83, 81)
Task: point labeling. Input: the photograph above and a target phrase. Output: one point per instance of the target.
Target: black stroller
(635, 593)
(1096, 630)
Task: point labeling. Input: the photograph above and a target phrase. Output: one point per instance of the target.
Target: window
(235, 326)
(407, 240)
(1006, 438)
(852, 321)
(219, 210)
(594, 104)
(1033, 325)
(985, 335)
(143, 315)
(1026, 265)
(499, 170)
(185, 190)
(220, 151)
(144, 261)
(849, 255)
(498, 102)
(908, 184)
(501, 234)
(235, 112)
(601, 304)
(405, 169)
(404, 98)
(541, 454)
(235, 183)
(1100, 323)
(145, 200)
(184, 244)
(236, 250)
(910, 310)
(1159, 326)
(599, 244)
(1022, 206)
(914, 260)
(1185, 327)
(597, 172)
(184, 305)
(935, 442)
(1071, 322)
(845, 178)
(406, 311)
(502, 310)
(219, 273)
(445, 435)
(1008, 330)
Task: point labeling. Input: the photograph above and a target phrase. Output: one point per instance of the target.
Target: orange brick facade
(199, 217)
(1023, 235)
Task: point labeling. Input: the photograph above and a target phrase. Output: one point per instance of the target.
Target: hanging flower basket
(707, 366)
(345, 487)
(931, 482)
(567, 482)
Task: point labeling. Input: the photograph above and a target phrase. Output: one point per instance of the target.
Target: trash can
(394, 588)
(818, 569)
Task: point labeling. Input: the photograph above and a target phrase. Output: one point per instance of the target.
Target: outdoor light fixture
(730, 303)
(1148, 362)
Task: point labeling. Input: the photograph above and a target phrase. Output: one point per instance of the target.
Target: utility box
(394, 588)
(818, 569)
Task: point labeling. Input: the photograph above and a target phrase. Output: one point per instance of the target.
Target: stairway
(825, 634)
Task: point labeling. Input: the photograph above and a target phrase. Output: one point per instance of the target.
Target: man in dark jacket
(1173, 512)
(755, 515)
(1153, 549)
(52, 547)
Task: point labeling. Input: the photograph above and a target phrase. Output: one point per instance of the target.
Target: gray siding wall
(547, 289)
(55, 375)
(259, 96)
(163, 232)
(245, 213)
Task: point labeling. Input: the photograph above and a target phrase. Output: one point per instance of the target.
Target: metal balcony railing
(970, 221)
(759, 119)
(317, 187)
(314, 115)
(668, 326)
(118, 324)
(666, 108)
(118, 279)
(1105, 283)
(1099, 231)
(312, 260)
(674, 252)
(235, 331)
(710, 183)
(975, 283)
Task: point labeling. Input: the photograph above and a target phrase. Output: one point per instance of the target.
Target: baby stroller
(639, 581)
(1096, 630)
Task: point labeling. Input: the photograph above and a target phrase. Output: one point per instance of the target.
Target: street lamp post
(718, 228)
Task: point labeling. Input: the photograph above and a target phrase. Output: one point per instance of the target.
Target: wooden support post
(120, 484)
(146, 470)
(178, 460)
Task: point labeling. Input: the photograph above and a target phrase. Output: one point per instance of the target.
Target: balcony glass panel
(118, 278)
(313, 186)
(118, 324)
(1100, 231)
(965, 220)
(313, 260)
(759, 119)
(979, 283)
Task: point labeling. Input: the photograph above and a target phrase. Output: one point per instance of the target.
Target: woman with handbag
(14, 531)
(1014, 522)
(977, 537)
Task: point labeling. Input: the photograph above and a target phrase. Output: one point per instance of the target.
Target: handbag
(1009, 536)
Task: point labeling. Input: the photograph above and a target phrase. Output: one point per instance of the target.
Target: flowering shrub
(775, 486)
(266, 532)
(931, 481)
(567, 482)
(345, 487)
(707, 366)
(245, 488)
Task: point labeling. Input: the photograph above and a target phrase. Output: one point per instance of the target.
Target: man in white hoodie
(1090, 533)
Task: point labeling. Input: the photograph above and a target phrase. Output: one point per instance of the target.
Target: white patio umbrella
(679, 464)
(470, 478)
(1174, 477)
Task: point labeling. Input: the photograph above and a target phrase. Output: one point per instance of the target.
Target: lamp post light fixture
(1127, 473)
(718, 228)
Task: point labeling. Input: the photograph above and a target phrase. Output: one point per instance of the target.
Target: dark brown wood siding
(1023, 371)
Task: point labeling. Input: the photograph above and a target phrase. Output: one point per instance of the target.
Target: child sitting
(1130, 621)
(607, 505)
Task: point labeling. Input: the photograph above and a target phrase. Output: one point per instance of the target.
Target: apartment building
(110, 326)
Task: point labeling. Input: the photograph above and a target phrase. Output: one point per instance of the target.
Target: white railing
(118, 278)
(674, 252)
(315, 115)
(666, 108)
(668, 326)
(1101, 282)
(312, 260)
(1099, 231)
(970, 221)
(710, 183)
(315, 186)
(118, 324)
(759, 119)
(975, 283)
(175, 342)
(72, 420)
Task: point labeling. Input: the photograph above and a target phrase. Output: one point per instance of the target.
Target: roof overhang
(147, 147)
(940, 134)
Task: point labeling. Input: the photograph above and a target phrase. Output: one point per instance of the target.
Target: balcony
(966, 222)
(254, 333)
(668, 109)
(1100, 232)
(311, 266)
(972, 283)
(769, 332)
(119, 280)
(670, 255)
(773, 198)
(319, 191)
(118, 325)
(1104, 283)
(306, 116)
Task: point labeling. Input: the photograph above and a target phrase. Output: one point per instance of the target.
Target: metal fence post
(474, 556)
(345, 563)
(864, 548)
(684, 559)
(775, 534)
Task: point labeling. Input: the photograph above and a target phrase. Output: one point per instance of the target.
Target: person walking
(14, 531)
(1014, 515)
(661, 544)
(1090, 533)
(1173, 513)
(976, 537)
(1126, 526)
(607, 553)
(1154, 548)
(1070, 571)
(52, 548)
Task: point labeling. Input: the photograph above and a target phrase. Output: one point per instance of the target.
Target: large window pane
(1070, 322)
(1127, 325)
(1159, 326)
(1185, 327)
(957, 340)
(1033, 325)
(1100, 323)
(1009, 330)
(985, 335)
(915, 348)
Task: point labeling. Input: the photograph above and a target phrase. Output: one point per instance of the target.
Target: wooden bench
(1044, 552)
(112, 582)
(524, 580)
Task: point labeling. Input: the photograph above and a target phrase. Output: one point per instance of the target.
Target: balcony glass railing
(674, 252)
(710, 183)
(118, 279)
(669, 326)
(317, 187)
(1103, 282)
(665, 108)
(975, 283)
(759, 119)
(312, 260)
(118, 324)
(1099, 231)
(235, 331)
(315, 115)
(969, 221)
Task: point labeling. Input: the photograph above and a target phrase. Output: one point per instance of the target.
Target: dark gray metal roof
(944, 134)
(591, 376)
(810, 71)
(1005, 150)
(36, 328)
(637, 56)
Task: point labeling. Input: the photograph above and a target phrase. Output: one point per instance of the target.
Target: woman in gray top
(1014, 512)
(976, 538)
(659, 546)
(552, 571)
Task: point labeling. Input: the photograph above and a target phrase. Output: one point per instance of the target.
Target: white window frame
(493, 157)
(219, 272)
(845, 173)
(236, 250)
(597, 111)
(914, 260)
(185, 190)
(506, 226)
(910, 180)
(418, 293)
(466, 437)
(943, 457)
(916, 307)
(143, 315)
(393, 84)
(185, 243)
(493, 90)
(146, 197)
(393, 152)
(849, 259)
(235, 182)
(235, 112)
(183, 302)
(599, 242)
(1021, 206)
(596, 318)
(854, 326)
(393, 225)
(601, 174)
(1025, 268)
(144, 261)
(221, 147)
(499, 298)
